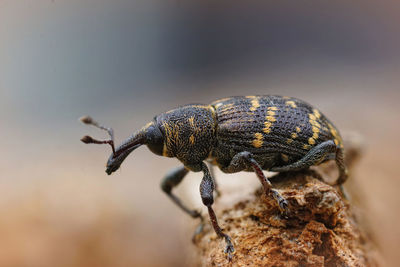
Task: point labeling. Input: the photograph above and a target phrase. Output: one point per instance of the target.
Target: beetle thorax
(189, 132)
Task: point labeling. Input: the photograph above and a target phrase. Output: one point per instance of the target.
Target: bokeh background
(124, 61)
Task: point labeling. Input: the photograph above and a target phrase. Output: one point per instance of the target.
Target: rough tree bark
(323, 228)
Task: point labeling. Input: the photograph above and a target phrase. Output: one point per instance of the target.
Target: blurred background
(125, 61)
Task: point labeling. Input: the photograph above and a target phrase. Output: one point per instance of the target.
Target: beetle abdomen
(271, 124)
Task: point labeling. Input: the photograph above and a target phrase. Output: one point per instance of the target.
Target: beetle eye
(154, 139)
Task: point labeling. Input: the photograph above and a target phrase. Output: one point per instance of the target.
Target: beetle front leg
(206, 191)
(172, 179)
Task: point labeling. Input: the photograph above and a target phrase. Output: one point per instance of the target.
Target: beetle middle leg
(207, 187)
(245, 159)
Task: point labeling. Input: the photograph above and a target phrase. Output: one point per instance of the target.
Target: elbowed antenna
(137, 139)
(89, 140)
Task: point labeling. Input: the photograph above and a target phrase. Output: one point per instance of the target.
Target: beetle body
(278, 131)
(251, 133)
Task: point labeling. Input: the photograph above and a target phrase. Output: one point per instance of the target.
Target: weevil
(244, 133)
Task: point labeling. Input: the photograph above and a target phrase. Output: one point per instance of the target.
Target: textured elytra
(269, 126)
(277, 130)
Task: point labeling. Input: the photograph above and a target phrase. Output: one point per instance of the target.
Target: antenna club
(86, 119)
(87, 139)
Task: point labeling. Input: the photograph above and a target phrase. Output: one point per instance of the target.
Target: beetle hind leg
(315, 156)
(343, 175)
(318, 154)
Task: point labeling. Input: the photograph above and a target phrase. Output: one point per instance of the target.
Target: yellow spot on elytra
(254, 104)
(315, 123)
(268, 124)
(337, 138)
(285, 157)
(312, 117)
(258, 135)
(315, 126)
(218, 105)
(315, 132)
(270, 118)
(311, 141)
(306, 146)
(191, 121)
(298, 129)
(258, 140)
(336, 141)
(191, 139)
(251, 96)
(289, 141)
(291, 103)
(267, 128)
(294, 135)
(316, 113)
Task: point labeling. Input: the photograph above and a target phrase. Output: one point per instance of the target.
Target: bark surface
(323, 228)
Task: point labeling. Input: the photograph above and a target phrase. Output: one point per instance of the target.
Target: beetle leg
(216, 187)
(342, 171)
(242, 161)
(317, 155)
(172, 179)
(206, 191)
(342, 168)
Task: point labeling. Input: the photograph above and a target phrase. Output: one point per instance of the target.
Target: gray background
(124, 62)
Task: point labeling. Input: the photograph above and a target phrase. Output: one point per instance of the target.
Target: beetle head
(149, 135)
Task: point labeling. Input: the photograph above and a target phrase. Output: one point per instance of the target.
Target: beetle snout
(112, 164)
(115, 161)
